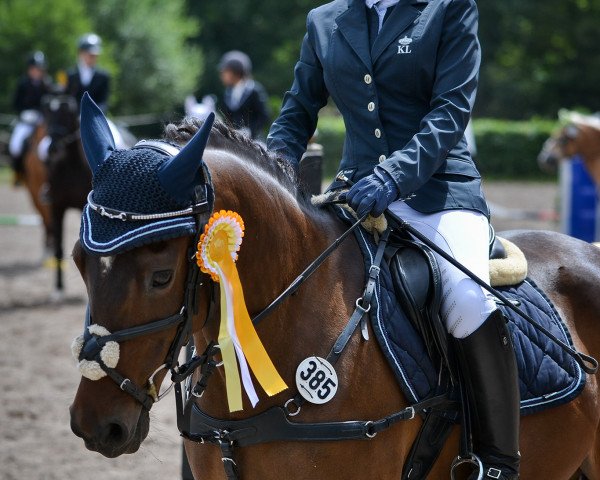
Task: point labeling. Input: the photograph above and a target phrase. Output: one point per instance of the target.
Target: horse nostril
(115, 434)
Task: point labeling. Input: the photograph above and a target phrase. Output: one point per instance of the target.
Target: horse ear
(571, 131)
(181, 174)
(98, 142)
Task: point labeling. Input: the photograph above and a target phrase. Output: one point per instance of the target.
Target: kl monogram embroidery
(404, 45)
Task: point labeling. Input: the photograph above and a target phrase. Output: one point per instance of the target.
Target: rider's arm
(452, 99)
(297, 121)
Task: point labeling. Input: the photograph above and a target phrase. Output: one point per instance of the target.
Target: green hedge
(506, 149)
(509, 149)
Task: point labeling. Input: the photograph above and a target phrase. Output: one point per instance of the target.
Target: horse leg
(58, 214)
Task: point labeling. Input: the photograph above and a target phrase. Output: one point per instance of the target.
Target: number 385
(317, 380)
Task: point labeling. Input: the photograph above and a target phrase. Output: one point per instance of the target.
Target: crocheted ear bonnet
(150, 182)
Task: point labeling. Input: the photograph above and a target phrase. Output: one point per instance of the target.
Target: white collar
(381, 4)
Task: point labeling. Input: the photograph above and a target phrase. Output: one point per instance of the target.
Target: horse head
(61, 114)
(560, 146)
(575, 137)
(146, 204)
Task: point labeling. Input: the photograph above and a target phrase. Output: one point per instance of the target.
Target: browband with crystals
(111, 213)
(158, 146)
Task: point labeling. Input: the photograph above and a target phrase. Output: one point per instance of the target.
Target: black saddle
(417, 284)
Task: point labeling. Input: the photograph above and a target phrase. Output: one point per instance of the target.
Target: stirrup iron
(472, 459)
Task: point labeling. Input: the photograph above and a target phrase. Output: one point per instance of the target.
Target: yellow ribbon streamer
(218, 247)
(254, 351)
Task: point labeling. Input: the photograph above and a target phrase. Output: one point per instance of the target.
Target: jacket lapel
(353, 25)
(403, 15)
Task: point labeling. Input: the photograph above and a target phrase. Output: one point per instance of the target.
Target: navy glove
(373, 194)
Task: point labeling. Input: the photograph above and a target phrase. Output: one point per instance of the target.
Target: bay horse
(283, 235)
(35, 179)
(69, 176)
(580, 136)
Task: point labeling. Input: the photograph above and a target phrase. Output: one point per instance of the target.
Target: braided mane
(226, 138)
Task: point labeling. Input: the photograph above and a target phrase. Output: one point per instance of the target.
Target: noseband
(93, 343)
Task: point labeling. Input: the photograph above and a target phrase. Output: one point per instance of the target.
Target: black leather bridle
(93, 344)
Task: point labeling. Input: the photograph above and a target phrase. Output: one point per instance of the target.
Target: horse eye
(162, 278)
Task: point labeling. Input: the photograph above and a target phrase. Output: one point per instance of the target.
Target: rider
(85, 76)
(404, 76)
(27, 103)
(245, 100)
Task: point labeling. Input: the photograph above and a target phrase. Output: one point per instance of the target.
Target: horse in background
(580, 136)
(69, 176)
(34, 177)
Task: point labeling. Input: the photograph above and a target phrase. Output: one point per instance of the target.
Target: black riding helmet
(91, 43)
(237, 62)
(37, 59)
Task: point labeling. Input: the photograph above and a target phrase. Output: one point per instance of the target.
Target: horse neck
(282, 234)
(282, 238)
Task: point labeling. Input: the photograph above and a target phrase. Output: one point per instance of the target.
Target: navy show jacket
(405, 102)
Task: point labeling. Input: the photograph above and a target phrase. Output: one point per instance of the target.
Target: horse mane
(223, 137)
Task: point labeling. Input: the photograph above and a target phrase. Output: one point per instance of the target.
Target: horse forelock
(226, 138)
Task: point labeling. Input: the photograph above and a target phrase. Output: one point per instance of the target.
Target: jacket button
(378, 133)
(371, 106)
(382, 158)
(368, 79)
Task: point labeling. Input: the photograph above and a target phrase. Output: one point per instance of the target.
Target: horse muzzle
(548, 161)
(110, 436)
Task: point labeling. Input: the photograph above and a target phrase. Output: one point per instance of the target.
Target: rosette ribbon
(238, 340)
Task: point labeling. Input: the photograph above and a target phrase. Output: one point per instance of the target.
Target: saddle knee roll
(417, 284)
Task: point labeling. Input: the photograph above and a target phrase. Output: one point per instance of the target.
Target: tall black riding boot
(488, 361)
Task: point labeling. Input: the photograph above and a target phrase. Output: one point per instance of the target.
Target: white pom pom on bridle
(109, 354)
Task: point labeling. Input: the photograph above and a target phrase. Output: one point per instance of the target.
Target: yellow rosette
(238, 340)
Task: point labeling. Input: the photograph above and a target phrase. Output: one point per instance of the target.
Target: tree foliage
(539, 57)
(146, 47)
(28, 25)
(156, 66)
(270, 31)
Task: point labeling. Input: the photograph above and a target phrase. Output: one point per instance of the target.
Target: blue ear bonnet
(128, 181)
(143, 195)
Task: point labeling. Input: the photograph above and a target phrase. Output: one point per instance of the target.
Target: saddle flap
(417, 284)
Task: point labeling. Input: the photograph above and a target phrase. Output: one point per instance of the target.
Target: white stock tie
(381, 7)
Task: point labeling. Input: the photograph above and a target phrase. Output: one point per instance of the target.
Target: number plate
(316, 380)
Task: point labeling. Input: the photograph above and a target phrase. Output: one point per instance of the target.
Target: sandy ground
(38, 378)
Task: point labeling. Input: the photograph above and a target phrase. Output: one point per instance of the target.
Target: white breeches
(464, 234)
(21, 132)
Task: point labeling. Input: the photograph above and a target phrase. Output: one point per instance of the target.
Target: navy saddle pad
(548, 376)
